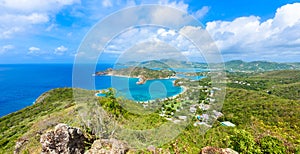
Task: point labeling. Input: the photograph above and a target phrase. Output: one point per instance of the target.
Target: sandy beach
(184, 89)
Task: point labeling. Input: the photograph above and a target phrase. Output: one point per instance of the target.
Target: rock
(19, 145)
(151, 149)
(213, 150)
(63, 140)
(108, 146)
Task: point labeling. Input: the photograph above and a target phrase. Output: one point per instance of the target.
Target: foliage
(257, 66)
(243, 142)
(16, 124)
(271, 145)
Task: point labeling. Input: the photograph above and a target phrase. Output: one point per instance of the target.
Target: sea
(22, 84)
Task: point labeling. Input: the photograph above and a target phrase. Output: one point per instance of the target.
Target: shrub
(271, 144)
(243, 142)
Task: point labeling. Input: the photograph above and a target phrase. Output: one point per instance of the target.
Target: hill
(163, 64)
(265, 122)
(232, 66)
(257, 66)
(284, 83)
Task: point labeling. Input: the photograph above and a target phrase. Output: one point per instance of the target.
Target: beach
(142, 90)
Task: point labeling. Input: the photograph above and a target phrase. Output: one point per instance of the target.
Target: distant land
(232, 66)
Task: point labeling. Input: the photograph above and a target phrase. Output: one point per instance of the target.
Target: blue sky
(38, 31)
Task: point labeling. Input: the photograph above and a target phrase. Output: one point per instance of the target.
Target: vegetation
(38, 117)
(257, 66)
(232, 66)
(264, 107)
(140, 72)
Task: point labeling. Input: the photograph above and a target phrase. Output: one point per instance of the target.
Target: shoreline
(125, 76)
(184, 88)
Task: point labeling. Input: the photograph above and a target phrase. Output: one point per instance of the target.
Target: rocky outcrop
(108, 146)
(19, 145)
(63, 140)
(213, 150)
(109, 70)
(142, 80)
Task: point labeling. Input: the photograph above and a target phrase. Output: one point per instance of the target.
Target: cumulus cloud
(60, 50)
(35, 5)
(251, 36)
(13, 23)
(19, 15)
(34, 50)
(150, 50)
(178, 5)
(152, 42)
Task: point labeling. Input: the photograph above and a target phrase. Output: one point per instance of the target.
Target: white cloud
(252, 37)
(150, 50)
(13, 23)
(178, 5)
(8, 31)
(19, 15)
(201, 12)
(152, 42)
(34, 18)
(35, 5)
(287, 16)
(60, 50)
(6, 48)
(34, 50)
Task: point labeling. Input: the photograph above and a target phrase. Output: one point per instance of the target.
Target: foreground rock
(213, 150)
(63, 140)
(108, 146)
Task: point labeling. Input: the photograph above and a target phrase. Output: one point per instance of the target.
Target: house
(227, 123)
(184, 118)
(202, 117)
(193, 109)
(204, 106)
(201, 123)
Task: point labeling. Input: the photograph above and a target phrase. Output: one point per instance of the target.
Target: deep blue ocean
(22, 84)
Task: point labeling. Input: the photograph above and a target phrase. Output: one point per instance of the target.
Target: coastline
(125, 76)
(184, 89)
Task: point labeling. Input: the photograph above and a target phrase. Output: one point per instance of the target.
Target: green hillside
(265, 122)
(283, 83)
(258, 66)
(232, 66)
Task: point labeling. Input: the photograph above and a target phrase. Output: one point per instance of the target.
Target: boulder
(63, 140)
(108, 146)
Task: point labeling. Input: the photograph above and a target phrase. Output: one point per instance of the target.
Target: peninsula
(142, 73)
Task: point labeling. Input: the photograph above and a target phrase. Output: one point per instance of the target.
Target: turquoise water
(101, 95)
(151, 90)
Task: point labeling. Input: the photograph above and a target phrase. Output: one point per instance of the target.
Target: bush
(243, 142)
(271, 144)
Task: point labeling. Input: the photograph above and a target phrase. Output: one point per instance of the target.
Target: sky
(39, 31)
